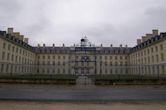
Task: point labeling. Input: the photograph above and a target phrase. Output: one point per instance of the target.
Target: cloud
(66, 21)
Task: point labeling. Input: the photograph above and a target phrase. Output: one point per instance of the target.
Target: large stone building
(17, 57)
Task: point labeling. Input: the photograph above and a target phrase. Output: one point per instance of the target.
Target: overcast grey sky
(66, 21)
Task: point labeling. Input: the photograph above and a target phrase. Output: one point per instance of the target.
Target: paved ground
(82, 93)
(76, 106)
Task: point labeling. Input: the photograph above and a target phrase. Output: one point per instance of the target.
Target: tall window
(53, 57)
(105, 57)
(152, 59)
(9, 47)
(48, 63)
(157, 58)
(59, 57)
(156, 49)
(53, 62)
(13, 49)
(8, 56)
(161, 47)
(148, 51)
(3, 55)
(48, 57)
(12, 57)
(162, 56)
(4, 45)
(16, 59)
(116, 57)
(152, 50)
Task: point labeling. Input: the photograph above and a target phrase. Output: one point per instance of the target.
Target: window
(16, 50)
(13, 49)
(105, 71)
(48, 57)
(152, 59)
(4, 45)
(58, 63)
(162, 56)
(2, 66)
(161, 47)
(63, 63)
(148, 59)
(110, 63)
(59, 57)
(8, 56)
(58, 70)
(121, 63)
(157, 58)
(116, 63)
(100, 57)
(148, 51)
(110, 71)
(144, 60)
(53, 62)
(9, 47)
(12, 57)
(53, 57)
(53, 70)
(48, 63)
(144, 52)
(152, 50)
(156, 49)
(43, 62)
(20, 51)
(16, 59)
(64, 57)
(3, 55)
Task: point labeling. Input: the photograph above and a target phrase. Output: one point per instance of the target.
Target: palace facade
(17, 57)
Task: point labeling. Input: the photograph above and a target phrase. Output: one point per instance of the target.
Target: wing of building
(17, 57)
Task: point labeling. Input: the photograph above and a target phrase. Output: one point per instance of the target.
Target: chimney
(138, 41)
(149, 36)
(111, 45)
(155, 32)
(53, 45)
(26, 40)
(44, 45)
(10, 30)
(143, 38)
(63, 45)
(18, 36)
(21, 37)
(120, 45)
(101, 45)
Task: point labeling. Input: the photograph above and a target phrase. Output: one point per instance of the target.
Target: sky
(67, 21)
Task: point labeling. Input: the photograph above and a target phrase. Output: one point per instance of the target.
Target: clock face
(85, 58)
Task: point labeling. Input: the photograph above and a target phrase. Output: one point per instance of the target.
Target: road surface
(81, 93)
